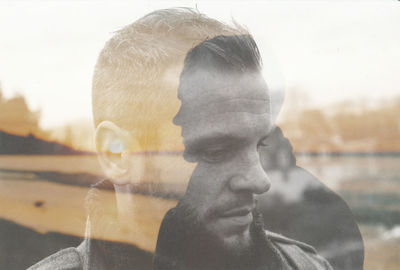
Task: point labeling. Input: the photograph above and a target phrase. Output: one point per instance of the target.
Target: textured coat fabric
(293, 255)
(297, 255)
(277, 252)
(97, 255)
(66, 259)
(179, 247)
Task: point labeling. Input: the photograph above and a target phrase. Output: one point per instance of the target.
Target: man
(224, 120)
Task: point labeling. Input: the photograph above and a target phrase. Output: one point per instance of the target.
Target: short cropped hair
(229, 54)
(128, 87)
(229, 57)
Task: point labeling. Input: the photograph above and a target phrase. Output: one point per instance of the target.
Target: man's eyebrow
(211, 140)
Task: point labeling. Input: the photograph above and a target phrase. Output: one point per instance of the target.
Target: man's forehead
(204, 87)
(205, 94)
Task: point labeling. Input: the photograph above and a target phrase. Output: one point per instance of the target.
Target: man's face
(225, 120)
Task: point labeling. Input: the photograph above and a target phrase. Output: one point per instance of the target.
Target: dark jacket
(182, 247)
(293, 255)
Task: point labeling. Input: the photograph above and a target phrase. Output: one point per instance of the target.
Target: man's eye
(213, 155)
(263, 143)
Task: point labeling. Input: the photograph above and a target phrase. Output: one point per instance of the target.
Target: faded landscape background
(45, 192)
(344, 127)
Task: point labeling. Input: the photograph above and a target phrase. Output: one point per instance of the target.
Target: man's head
(135, 85)
(224, 114)
(225, 119)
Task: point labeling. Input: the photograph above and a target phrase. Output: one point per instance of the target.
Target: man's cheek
(198, 184)
(204, 170)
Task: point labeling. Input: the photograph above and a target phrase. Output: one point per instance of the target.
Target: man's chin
(234, 242)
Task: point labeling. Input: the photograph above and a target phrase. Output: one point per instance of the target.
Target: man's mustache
(246, 202)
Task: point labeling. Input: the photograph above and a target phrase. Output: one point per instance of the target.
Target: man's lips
(236, 219)
(233, 217)
(238, 211)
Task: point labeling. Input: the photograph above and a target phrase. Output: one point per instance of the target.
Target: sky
(332, 51)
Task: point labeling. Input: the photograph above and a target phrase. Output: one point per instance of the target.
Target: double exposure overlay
(216, 136)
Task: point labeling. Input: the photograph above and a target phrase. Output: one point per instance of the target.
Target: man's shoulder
(298, 254)
(66, 259)
(283, 240)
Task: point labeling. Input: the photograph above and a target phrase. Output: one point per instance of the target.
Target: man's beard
(184, 243)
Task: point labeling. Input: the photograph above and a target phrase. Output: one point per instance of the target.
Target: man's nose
(255, 180)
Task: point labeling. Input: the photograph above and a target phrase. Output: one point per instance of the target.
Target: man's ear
(112, 145)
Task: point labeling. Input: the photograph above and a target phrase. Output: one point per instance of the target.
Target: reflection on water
(50, 207)
(335, 171)
(393, 233)
(370, 186)
(58, 163)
